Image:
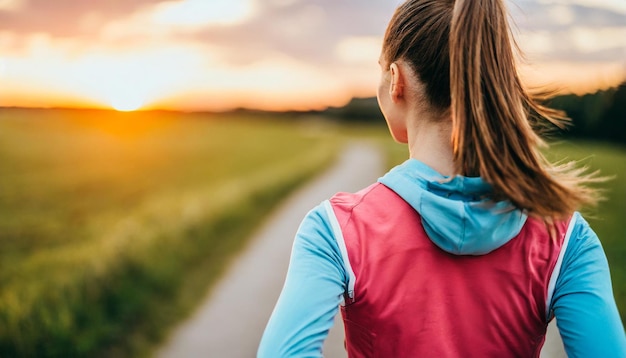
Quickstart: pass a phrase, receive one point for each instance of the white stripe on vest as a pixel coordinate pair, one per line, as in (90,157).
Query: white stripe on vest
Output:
(334,223)
(557,268)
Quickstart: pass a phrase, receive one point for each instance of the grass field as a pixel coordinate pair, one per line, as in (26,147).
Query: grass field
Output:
(112,225)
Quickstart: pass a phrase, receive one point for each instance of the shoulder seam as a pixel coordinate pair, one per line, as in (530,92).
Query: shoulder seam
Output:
(363,193)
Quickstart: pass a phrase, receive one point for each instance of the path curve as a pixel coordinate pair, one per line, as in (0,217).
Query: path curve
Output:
(231,320)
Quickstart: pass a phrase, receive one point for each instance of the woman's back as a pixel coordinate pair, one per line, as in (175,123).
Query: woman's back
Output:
(415,297)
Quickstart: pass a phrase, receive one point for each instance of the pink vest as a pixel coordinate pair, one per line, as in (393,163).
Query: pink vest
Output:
(412,299)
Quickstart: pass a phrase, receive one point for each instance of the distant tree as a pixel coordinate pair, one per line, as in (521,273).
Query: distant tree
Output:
(600,115)
(613,122)
(358,110)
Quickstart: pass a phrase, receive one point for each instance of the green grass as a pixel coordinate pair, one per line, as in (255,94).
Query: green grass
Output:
(608,220)
(113,225)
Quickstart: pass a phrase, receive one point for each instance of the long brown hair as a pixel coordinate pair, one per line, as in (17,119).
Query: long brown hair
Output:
(463,52)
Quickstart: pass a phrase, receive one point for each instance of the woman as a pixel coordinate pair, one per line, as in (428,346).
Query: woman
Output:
(470,247)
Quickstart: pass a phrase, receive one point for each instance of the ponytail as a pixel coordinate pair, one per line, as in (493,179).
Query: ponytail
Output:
(462,51)
(491,133)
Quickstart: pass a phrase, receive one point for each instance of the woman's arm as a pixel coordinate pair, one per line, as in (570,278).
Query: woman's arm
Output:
(583,302)
(313,289)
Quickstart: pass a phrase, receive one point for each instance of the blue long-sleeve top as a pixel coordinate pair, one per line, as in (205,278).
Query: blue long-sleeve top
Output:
(582,302)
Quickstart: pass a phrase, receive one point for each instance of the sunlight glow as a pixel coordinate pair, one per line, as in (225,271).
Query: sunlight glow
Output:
(3,67)
(184,77)
(278,83)
(582,77)
(126,104)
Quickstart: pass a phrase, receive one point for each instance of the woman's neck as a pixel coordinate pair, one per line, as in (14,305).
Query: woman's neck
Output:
(429,142)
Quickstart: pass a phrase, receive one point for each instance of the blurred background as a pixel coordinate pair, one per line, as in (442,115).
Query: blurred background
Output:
(142,142)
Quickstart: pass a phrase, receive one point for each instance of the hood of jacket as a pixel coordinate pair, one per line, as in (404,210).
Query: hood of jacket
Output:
(456,212)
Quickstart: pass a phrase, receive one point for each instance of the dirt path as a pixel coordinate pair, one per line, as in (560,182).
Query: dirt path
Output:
(230,322)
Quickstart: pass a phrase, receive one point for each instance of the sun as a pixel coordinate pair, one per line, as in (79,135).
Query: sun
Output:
(127,103)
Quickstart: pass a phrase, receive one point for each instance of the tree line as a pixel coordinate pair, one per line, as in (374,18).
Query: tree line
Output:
(596,116)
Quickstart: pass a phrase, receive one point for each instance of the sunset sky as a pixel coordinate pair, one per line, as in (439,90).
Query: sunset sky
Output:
(266,54)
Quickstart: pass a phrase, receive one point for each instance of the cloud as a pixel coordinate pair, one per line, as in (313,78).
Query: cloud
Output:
(11,5)
(359,49)
(567,31)
(577,44)
(201,12)
(313,31)
(613,5)
(555,16)
(64,17)
(308,31)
